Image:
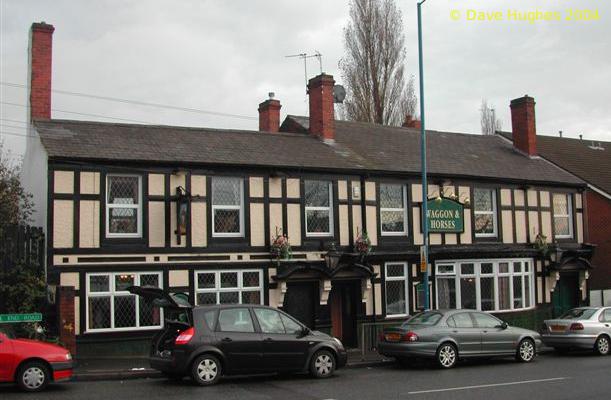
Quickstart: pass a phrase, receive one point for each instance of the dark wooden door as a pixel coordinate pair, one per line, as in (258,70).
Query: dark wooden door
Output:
(300,301)
(344,299)
(566,293)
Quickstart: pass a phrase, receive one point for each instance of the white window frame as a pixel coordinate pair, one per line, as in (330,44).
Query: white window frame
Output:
(528,272)
(227,207)
(240,287)
(138,207)
(111,293)
(403,278)
(315,208)
(476,212)
(403,210)
(569,215)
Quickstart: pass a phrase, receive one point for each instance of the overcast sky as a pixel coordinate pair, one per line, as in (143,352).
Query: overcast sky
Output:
(226,55)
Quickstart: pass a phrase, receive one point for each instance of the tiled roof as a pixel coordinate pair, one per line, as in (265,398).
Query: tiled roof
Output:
(358,147)
(589,160)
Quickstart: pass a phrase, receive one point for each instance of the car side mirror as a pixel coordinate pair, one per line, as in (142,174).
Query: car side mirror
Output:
(504,325)
(305,331)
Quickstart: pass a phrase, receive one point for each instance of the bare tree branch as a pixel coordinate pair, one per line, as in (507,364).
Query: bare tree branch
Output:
(373,68)
(488,120)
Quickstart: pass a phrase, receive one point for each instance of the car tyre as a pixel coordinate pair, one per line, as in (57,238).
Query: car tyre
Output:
(447,356)
(526,351)
(601,347)
(206,370)
(33,376)
(322,364)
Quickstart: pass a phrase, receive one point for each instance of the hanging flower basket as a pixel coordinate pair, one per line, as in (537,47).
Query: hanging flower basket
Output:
(362,245)
(280,246)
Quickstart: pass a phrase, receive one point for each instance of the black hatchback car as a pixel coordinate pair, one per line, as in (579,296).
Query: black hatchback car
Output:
(207,342)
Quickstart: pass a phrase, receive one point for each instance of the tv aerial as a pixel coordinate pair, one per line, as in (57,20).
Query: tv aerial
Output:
(304,57)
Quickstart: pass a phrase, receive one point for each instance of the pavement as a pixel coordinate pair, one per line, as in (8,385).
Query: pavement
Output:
(551,376)
(95,369)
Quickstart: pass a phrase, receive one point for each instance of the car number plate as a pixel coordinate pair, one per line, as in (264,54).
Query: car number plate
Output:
(557,328)
(392,337)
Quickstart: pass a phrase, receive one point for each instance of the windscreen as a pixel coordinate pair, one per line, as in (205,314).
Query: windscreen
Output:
(579,313)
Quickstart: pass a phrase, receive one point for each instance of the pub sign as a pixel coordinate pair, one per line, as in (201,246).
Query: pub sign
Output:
(445,215)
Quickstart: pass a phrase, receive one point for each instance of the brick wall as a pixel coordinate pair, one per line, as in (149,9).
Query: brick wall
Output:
(66,317)
(599,233)
(41,44)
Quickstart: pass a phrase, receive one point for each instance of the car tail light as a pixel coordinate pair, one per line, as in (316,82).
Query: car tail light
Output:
(410,337)
(381,337)
(576,326)
(185,337)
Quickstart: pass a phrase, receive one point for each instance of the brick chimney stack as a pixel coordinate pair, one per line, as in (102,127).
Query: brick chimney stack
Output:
(40,57)
(322,116)
(523,125)
(411,123)
(269,115)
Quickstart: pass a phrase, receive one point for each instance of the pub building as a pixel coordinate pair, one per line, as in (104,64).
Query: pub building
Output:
(202,212)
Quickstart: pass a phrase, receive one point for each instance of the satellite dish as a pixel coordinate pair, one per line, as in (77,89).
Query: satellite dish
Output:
(339,94)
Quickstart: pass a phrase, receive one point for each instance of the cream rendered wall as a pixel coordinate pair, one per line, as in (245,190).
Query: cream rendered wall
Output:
(505,197)
(520,227)
(465,237)
(63,226)
(370,191)
(507,222)
(532,198)
(343,225)
(372,224)
(178,278)
(90,182)
(293,216)
(418,237)
(546,223)
(198,185)
(545,199)
(63,182)
(199,234)
(357,221)
(156,224)
(579,228)
(89,224)
(256,186)
(533,220)
(416,193)
(69,279)
(257,225)
(156,184)
(342,190)
(275,187)
(292,188)
(518,197)
(275,219)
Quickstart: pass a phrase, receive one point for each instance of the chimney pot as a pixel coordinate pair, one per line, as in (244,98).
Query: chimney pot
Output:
(269,114)
(322,113)
(523,124)
(40,60)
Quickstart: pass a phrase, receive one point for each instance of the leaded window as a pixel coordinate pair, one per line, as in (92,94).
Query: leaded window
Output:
(318,208)
(229,287)
(563,221)
(485,285)
(227,207)
(123,205)
(396,289)
(393,215)
(111,307)
(484,211)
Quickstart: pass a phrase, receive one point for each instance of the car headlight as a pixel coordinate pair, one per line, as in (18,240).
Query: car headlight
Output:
(68,356)
(339,342)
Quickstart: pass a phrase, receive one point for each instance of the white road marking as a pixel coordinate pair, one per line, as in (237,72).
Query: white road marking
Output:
(487,386)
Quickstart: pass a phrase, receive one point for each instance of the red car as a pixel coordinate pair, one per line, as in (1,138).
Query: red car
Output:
(32,364)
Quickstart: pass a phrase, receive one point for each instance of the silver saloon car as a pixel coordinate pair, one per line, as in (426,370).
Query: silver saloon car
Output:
(580,328)
(450,335)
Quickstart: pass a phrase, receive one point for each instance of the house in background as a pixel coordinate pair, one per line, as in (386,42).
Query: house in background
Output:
(591,161)
(196,210)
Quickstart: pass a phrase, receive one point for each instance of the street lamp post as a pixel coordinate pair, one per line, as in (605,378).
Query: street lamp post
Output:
(425,225)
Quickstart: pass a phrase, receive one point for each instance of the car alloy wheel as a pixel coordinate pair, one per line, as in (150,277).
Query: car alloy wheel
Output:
(447,356)
(323,364)
(526,350)
(33,376)
(206,370)
(602,345)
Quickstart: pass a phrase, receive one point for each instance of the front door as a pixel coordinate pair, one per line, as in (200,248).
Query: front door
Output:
(344,299)
(239,341)
(300,301)
(566,293)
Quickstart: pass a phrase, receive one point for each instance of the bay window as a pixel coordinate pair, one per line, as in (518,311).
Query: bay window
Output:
(111,307)
(318,208)
(123,205)
(485,285)
(393,215)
